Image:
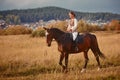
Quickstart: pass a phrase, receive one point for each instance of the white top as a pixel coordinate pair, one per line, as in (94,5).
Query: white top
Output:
(72,25)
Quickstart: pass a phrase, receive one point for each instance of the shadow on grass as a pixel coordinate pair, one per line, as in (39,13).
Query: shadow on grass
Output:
(32,71)
(36,70)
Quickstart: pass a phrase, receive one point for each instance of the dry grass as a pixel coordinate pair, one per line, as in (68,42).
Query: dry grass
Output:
(26,58)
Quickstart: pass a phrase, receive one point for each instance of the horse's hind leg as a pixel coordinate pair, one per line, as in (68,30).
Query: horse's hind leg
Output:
(95,49)
(86,60)
(97,57)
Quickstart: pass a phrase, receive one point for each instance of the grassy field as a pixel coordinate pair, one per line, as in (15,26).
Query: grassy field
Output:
(25,58)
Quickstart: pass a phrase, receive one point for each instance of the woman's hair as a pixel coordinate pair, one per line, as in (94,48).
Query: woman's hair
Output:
(71,12)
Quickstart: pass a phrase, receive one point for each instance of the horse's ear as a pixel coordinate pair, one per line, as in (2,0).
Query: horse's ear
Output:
(45,28)
(51,26)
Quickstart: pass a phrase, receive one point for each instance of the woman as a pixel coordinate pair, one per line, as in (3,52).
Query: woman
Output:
(72,27)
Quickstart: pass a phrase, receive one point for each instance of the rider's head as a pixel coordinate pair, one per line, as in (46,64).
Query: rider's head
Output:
(71,14)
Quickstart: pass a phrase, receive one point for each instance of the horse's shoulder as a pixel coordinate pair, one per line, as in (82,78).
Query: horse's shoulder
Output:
(66,36)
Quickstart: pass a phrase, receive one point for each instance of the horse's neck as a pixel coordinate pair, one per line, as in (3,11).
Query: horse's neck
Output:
(58,35)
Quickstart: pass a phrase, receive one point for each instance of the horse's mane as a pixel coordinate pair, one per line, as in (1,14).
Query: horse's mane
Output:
(57,33)
(56,30)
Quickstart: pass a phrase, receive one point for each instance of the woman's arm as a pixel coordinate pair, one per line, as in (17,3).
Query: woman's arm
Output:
(74,27)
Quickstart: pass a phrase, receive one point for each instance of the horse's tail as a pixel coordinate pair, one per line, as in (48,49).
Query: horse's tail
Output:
(95,47)
(101,54)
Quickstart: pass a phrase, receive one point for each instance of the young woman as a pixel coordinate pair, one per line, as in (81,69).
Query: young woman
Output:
(72,24)
(72,27)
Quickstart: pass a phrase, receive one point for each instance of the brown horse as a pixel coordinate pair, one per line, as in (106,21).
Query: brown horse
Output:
(65,46)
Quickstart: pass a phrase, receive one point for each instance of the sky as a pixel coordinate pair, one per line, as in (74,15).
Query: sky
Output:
(112,6)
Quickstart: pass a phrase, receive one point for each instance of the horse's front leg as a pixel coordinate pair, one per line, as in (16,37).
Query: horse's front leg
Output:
(66,61)
(62,55)
(61,59)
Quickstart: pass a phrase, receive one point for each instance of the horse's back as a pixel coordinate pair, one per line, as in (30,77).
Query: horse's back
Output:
(87,34)
(80,38)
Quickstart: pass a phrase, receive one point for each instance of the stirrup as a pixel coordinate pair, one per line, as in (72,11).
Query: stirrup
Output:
(76,48)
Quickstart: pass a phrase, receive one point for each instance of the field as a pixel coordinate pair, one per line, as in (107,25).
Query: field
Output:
(25,58)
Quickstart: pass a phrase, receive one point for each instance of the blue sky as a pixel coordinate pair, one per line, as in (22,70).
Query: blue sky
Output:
(76,5)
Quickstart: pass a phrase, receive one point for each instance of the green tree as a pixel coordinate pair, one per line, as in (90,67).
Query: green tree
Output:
(13,19)
(17,20)
(1,17)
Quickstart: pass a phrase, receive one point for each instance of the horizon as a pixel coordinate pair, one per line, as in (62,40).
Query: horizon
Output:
(58,7)
(93,6)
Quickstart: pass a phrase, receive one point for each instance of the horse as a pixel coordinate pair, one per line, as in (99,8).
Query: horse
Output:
(65,46)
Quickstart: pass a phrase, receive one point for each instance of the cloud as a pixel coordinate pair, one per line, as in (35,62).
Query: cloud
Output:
(13,4)
(77,5)
(96,5)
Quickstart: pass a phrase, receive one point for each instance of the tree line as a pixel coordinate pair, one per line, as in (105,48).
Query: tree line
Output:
(49,13)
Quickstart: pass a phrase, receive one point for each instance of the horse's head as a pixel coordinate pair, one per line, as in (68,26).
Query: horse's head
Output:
(49,36)
(53,33)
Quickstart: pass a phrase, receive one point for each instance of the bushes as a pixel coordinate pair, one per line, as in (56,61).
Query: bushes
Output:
(114,25)
(15,30)
(1,31)
(62,25)
(84,27)
(40,32)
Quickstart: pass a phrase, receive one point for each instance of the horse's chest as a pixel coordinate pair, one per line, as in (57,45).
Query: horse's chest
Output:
(64,47)
(60,47)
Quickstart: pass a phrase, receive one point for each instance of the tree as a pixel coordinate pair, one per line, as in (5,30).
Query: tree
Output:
(12,19)
(50,13)
(1,17)
(17,20)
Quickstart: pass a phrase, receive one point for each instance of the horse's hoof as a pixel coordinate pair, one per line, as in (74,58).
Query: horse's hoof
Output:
(64,70)
(83,70)
(99,69)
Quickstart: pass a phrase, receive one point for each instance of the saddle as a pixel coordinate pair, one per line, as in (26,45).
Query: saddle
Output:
(78,40)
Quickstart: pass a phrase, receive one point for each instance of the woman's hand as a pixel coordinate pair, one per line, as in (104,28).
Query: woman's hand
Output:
(69,30)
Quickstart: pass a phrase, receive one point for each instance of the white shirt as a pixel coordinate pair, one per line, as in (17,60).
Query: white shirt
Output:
(72,26)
